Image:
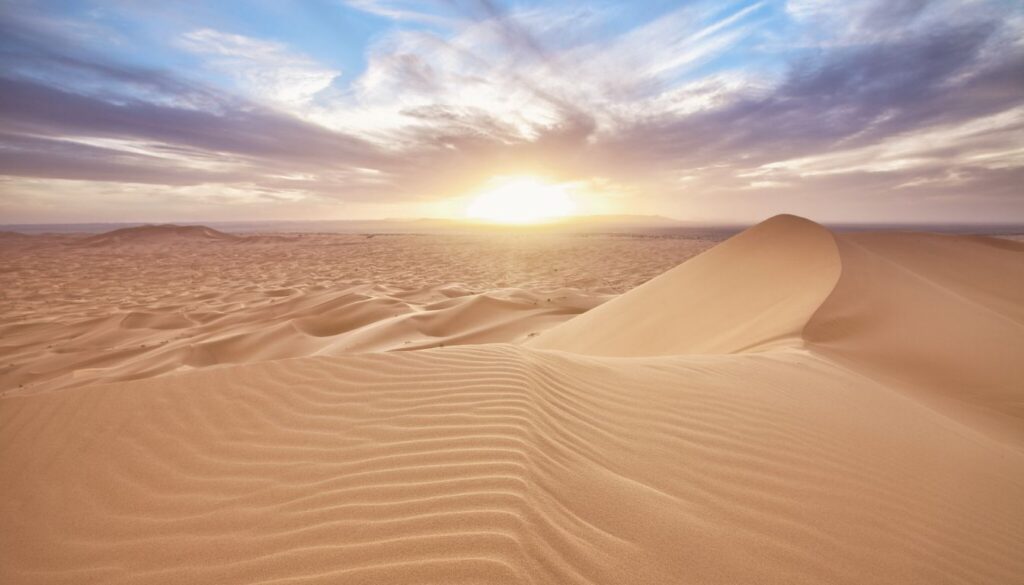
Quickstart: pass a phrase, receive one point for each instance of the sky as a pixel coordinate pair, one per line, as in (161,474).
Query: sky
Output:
(841,111)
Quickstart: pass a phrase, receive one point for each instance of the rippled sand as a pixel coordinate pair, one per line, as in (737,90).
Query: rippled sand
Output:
(792,406)
(78,309)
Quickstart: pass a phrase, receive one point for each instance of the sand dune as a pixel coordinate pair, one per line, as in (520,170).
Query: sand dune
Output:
(162,299)
(763,413)
(935,312)
(942,313)
(156,235)
(141,344)
(756,290)
(8,235)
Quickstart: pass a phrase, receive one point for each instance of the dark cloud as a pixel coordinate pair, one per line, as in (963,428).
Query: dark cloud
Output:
(52,88)
(26,156)
(892,13)
(256,132)
(844,98)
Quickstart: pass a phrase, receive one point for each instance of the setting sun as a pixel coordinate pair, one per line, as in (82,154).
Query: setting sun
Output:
(521,199)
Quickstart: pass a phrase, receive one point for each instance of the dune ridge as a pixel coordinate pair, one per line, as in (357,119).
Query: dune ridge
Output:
(617,447)
(754,291)
(938,313)
(361,318)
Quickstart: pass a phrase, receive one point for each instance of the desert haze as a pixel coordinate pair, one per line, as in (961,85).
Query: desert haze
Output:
(790,405)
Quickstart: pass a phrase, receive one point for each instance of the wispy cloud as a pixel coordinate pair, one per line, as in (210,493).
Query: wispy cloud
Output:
(421,11)
(263,69)
(990,142)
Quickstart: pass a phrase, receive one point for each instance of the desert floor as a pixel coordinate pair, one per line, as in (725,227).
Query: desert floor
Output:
(792,405)
(78,309)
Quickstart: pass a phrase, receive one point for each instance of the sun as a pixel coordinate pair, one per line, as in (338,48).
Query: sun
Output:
(521,199)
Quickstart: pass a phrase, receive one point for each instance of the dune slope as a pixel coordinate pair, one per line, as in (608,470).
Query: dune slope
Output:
(944,313)
(754,291)
(782,447)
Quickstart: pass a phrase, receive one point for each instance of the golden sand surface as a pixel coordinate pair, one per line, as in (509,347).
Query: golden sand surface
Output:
(791,406)
(151,300)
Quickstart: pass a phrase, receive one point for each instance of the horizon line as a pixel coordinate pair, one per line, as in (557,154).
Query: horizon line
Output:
(553,223)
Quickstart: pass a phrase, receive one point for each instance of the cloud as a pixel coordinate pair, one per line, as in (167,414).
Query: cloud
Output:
(27,156)
(836,23)
(404,10)
(991,142)
(515,77)
(848,98)
(263,69)
(70,114)
(254,132)
(709,111)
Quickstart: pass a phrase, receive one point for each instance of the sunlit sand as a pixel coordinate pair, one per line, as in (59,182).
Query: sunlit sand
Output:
(791,405)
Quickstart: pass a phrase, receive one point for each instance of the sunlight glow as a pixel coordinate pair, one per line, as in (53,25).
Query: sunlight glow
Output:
(522,199)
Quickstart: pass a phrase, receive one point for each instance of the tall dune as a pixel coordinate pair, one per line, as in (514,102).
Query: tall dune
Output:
(761,414)
(939,314)
(756,290)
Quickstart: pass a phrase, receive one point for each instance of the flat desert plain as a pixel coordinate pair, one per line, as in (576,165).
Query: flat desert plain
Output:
(790,405)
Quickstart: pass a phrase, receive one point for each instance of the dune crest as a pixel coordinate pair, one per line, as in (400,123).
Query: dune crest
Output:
(754,291)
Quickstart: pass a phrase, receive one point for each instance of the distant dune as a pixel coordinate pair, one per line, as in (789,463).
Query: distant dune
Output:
(74,315)
(791,406)
(575,224)
(155,235)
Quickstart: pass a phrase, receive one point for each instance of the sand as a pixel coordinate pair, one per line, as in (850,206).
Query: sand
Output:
(139,302)
(792,406)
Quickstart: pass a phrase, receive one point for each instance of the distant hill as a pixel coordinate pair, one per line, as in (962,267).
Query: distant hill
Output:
(157,234)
